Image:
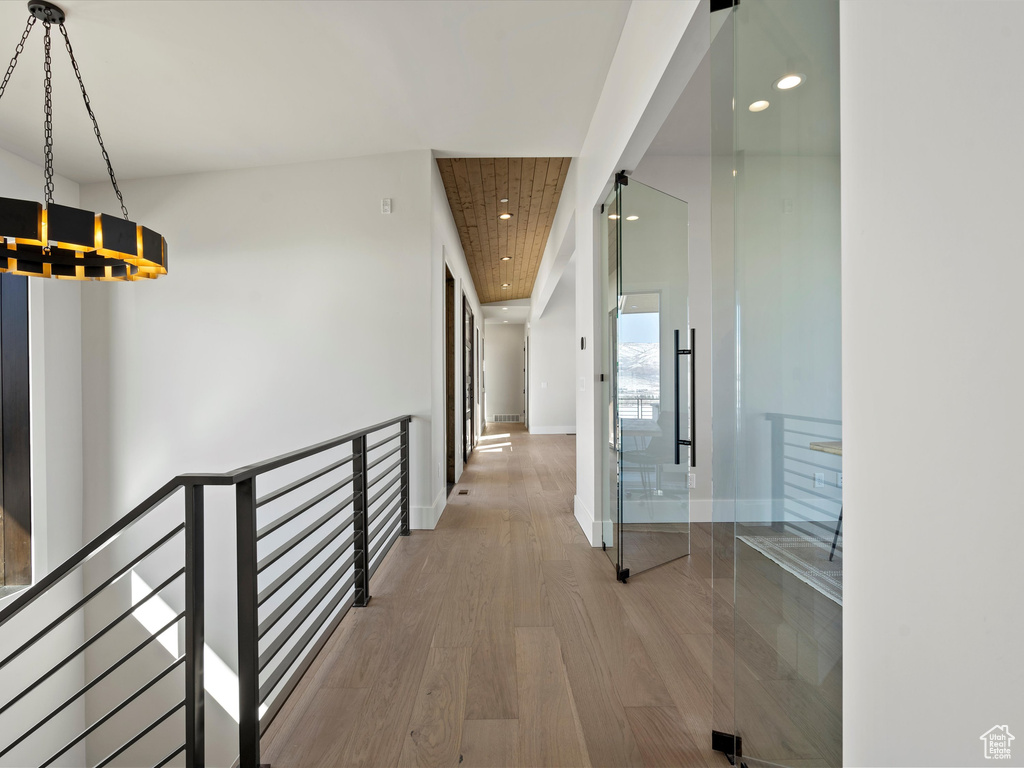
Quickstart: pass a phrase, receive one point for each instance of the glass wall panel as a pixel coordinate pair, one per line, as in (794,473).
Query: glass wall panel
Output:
(786,388)
(723,361)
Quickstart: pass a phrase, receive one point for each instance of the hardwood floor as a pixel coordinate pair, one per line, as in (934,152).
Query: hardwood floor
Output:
(788,665)
(502,639)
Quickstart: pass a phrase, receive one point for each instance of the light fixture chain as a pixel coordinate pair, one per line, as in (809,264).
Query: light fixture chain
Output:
(17,53)
(48,119)
(95,124)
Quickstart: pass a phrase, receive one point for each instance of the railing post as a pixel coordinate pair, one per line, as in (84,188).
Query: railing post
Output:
(195,629)
(405,477)
(360,538)
(248,621)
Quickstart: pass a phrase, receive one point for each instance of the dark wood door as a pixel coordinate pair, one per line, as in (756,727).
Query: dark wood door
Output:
(468,376)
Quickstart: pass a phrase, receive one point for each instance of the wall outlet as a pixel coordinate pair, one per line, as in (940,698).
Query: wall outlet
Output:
(691,480)
(385,205)
(839,479)
(819,479)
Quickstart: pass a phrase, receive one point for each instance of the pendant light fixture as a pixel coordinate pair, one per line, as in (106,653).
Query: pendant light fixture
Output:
(50,240)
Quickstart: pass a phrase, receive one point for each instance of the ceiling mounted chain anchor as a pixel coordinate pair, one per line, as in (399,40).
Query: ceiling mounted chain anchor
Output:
(48,12)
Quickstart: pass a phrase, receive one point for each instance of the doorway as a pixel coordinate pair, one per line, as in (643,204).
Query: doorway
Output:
(449,379)
(650,387)
(468,380)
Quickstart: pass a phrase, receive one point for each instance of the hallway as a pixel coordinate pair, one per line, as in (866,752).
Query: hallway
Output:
(502,639)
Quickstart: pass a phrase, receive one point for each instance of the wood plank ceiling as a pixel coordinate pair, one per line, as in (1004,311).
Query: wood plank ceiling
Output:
(503,251)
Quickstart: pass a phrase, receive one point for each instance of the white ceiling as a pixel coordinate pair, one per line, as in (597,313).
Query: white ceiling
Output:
(515,312)
(687,129)
(182,86)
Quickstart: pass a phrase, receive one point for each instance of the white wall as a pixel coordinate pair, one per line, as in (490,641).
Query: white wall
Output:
(446,249)
(285,319)
(55,360)
(552,344)
(932,412)
(503,368)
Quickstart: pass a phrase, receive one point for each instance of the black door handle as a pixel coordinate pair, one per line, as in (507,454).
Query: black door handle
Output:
(692,442)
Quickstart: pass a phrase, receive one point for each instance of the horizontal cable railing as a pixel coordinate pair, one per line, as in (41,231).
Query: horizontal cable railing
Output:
(151,544)
(305,554)
(798,465)
(306,550)
(635,407)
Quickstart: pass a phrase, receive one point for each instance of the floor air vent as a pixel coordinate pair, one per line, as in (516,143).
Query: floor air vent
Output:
(463,492)
(506,417)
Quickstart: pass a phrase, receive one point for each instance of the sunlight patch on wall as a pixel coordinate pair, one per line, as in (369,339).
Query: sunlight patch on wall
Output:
(154,614)
(219,680)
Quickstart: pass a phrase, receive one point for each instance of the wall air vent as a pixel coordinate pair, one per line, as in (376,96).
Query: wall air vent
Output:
(506,417)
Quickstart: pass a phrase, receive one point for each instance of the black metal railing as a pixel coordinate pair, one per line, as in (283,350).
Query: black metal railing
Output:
(636,407)
(303,561)
(306,551)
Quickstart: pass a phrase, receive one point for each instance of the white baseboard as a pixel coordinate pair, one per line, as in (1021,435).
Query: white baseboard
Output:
(425,518)
(591,528)
(553,430)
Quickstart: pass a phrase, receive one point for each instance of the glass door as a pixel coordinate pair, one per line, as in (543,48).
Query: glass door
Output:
(650,419)
(610,246)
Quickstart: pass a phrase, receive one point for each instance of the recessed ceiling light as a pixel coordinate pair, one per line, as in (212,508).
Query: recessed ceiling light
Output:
(613,216)
(506,258)
(505,216)
(758,106)
(504,321)
(632,306)
(505,285)
(504,309)
(632,218)
(503,200)
(788,82)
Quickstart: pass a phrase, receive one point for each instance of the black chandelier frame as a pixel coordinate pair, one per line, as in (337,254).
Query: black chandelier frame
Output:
(51,240)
